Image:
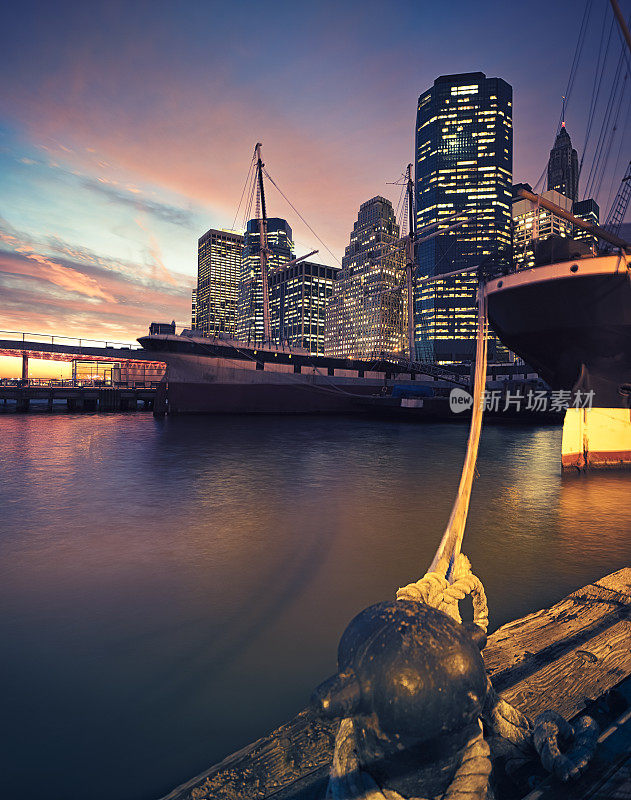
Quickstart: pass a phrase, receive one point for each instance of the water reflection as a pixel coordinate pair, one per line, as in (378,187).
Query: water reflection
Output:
(172,589)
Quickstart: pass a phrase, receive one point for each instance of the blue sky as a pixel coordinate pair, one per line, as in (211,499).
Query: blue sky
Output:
(126,130)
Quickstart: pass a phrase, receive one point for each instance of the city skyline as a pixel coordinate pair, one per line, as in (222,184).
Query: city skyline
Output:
(124,136)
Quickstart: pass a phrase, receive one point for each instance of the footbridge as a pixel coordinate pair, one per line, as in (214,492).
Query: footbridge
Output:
(67,348)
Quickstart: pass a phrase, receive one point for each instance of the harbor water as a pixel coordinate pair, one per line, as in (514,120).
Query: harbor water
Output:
(172,589)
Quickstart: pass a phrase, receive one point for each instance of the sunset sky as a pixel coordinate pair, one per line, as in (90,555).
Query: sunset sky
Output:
(126,130)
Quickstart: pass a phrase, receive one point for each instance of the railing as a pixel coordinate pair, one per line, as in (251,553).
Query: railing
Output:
(46,338)
(70,383)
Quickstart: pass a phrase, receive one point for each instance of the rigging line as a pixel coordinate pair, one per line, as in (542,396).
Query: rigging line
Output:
(615,169)
(577,54)
(604,130)
(598,77)
(608,147)
(242,193)
(570,81)
(248,211)
(273,182)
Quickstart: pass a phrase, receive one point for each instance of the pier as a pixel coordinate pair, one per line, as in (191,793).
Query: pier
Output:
(49,395)
(570,658)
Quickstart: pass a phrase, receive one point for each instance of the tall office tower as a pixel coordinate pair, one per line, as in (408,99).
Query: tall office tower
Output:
(218,268)
(464,163)
(194,309)
(250,325)
(532,224)
(563,166)
(366,315)
(589,211)
(298,298)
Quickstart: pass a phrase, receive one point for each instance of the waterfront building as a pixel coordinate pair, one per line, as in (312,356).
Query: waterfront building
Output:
(533,223)
(589,211)
(218,270)
(298,298)
(366,315)
(250,299)
(194,309)
(563,166)
(464,163)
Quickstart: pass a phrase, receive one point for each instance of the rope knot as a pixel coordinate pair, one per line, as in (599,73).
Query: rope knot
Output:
(435,590)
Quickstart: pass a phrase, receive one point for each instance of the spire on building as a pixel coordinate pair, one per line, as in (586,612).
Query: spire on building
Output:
(563,166)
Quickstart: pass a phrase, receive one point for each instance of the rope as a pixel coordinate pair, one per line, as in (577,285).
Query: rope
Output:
(435,590)
(448,580)
(349,782)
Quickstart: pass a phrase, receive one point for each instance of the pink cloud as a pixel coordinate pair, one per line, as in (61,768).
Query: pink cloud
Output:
(51,271)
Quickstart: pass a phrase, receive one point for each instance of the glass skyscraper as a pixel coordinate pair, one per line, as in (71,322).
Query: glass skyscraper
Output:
(366,315)
(464,163)
(250,325)
(218,269)
(298,297)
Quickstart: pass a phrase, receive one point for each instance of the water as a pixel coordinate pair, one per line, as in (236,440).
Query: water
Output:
(171,590)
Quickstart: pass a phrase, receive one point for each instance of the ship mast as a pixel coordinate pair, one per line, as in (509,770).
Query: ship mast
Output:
(410,262)
(263,249)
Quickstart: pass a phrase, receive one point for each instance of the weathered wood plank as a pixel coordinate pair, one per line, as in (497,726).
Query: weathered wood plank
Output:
(558,658)
(569,654)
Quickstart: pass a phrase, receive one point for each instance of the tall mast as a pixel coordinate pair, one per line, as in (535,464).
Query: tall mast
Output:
(264,252)
(409,267)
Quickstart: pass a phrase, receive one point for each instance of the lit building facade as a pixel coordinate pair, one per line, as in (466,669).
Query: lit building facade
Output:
(464,163)
(532,223)
(218,270)
(298,298)
(194,309)
(366,315)
(280,245)
(589,211)
(563,166)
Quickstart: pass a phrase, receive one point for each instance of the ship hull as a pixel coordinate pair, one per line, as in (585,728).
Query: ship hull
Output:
(572,323)
(206,377)
(197,385)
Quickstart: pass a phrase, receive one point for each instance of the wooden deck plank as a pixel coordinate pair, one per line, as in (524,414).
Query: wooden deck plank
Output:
(558,658)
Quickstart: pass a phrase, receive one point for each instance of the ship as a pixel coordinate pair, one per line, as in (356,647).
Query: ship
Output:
(220,375)
(571,321)
(211,375)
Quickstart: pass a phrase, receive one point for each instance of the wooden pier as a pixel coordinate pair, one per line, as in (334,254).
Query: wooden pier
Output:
(573,656)
(77,398)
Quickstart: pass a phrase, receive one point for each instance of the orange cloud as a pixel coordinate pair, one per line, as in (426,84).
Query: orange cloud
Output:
(51,271)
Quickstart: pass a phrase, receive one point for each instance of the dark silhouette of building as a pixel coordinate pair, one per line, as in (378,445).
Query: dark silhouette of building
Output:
(563,166)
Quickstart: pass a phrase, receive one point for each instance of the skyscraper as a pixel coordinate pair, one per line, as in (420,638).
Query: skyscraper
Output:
(464,163)
(298,297)
(563,166)
(218,268)
(366,314)
(250,325)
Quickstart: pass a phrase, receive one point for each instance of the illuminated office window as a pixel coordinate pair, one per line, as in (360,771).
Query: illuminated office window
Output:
(366,315)
(463,164)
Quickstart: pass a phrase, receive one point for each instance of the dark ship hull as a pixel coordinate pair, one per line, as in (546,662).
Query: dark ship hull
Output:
(215,376)
(571,321)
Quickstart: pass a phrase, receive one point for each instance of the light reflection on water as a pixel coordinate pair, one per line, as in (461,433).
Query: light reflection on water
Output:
(173,589)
